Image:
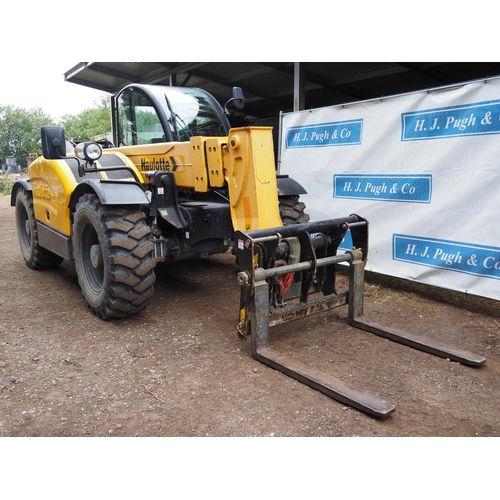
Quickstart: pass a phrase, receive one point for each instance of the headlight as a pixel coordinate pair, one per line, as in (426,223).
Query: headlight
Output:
(88,151)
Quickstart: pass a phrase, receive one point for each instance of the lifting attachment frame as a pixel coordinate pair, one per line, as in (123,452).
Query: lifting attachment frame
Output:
(296,262)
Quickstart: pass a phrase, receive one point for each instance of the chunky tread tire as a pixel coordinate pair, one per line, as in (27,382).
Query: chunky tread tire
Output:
(113,258)
(35,256)
(292,211)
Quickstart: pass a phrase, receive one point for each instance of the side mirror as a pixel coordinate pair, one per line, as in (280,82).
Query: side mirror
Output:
(53,143)
(238,100)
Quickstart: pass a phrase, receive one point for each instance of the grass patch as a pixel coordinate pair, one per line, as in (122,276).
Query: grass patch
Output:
(466,301)
(7,180)
(380,287)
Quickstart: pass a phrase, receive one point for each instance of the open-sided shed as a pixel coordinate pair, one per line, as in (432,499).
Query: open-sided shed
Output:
(284,86)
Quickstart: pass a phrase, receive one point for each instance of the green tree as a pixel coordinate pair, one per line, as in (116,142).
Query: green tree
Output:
(20,132)
(89,123)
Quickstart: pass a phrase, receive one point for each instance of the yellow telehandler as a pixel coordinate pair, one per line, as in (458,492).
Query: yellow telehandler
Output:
(178,182)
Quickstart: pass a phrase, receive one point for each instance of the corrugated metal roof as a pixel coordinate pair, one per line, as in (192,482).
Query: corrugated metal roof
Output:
(269,87)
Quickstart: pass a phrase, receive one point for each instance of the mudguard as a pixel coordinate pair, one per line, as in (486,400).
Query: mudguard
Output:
(110,192)
(21,183)
(288,186)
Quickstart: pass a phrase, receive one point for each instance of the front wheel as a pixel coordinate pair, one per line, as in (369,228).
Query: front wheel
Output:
(35,256)
(292,211)
(113,258)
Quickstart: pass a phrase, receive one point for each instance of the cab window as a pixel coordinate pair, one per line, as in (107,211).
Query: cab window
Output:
(138,121)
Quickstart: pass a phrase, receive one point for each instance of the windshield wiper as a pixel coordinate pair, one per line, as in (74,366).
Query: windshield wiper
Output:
(175,119)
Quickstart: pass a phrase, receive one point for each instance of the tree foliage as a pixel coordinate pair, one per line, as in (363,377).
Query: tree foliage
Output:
(20,128)
(20,132)
(89,123)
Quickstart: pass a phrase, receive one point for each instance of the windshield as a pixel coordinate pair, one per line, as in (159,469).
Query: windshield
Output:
(150,113)
(194,112)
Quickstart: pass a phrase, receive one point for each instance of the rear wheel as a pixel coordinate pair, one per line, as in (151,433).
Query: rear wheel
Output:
(35,256)
(292,211)
(113,258)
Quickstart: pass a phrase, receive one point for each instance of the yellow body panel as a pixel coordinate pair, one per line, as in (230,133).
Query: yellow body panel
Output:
(251,177)
(186,159)
(52,183)
(244,160)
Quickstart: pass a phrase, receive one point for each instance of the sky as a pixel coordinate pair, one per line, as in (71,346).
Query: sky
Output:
(36,52)
(45,88)
(33,59)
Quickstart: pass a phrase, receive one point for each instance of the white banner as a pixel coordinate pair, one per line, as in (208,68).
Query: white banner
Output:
(423,168)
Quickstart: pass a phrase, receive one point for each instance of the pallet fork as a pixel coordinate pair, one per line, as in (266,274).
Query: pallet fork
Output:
(289,273)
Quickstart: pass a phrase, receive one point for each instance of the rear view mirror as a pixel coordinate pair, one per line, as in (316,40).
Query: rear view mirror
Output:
(238,100)
(53,143)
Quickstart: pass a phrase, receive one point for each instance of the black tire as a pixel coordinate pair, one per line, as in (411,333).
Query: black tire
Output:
(113,258)
(292,211)
(35,256)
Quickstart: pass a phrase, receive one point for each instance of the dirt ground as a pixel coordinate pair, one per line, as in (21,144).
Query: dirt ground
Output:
(178,369)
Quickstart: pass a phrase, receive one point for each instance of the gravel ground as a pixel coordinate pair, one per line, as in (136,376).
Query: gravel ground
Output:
(179,370)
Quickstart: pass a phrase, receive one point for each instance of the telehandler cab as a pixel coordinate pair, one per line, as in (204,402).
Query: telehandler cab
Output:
(179,182)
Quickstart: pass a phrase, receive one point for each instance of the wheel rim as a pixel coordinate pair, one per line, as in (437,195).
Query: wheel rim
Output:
(25,229)
(92,260)
(96,256)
